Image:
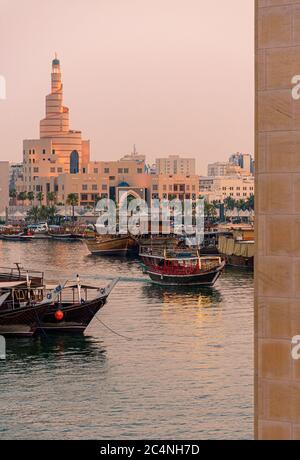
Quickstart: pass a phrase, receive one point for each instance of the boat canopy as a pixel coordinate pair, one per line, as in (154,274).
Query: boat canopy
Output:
(11,284)
(72,285)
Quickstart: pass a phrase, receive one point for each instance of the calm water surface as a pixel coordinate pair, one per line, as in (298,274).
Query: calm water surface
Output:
(185,373)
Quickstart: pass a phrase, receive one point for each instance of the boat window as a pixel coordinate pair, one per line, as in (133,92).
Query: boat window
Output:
(20,295)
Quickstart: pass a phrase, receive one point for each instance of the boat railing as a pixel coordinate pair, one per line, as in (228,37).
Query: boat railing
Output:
(75,294)
(21,296)
(180,254)
(19,273)
(168,252)
(208,264)
(163,250)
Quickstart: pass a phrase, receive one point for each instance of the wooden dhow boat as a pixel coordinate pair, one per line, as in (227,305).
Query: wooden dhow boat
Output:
(158,241)
(12,236)
(62,236)
(76,306)
(238,247)
(179,267)
(18,273)
(22,307)
(110,245)
(29,306)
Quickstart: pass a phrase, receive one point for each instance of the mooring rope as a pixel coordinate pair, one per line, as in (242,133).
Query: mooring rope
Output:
(111,330)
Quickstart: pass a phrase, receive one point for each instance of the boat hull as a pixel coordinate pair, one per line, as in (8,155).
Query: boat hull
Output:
(11,237)
(63,237)
(111,246)
(26,238)
(240,261)
(76,317)
(204,279)
(21,322)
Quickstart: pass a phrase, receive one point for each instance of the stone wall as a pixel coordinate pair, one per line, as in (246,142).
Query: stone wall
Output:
(277,270)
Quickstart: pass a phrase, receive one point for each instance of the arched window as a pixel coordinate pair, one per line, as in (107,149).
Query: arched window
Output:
(74,162)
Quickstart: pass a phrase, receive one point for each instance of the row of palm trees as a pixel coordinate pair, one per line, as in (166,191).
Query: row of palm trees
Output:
(242,205)
(31,196)
(72,198)
(43,213)
(212,209)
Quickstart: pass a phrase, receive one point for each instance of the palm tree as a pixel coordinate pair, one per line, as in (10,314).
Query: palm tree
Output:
(30,197)
(72,200)
(43,213)
(52,213)
(33,214)
(250,202)
(229,203)
(13,196)
(22,197)
(40,197)
(50,197)
(209,209)
(241,205)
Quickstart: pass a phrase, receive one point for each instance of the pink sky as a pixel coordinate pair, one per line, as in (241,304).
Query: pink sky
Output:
(172,76)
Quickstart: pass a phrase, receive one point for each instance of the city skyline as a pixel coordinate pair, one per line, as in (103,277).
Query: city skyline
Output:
(127,92)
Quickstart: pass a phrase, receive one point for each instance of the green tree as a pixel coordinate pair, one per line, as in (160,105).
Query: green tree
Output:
(40,197)
(30,197)
(209,210)
(52,213)
(50,197)
(43,215)
(241,205)
(72,200)
(250,203)
(33,214)
(229,203)
(22,197)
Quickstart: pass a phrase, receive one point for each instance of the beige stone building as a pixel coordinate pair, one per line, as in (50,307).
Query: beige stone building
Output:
(217,169)
(176,165)
(59,162)
(103,179)
(175,187)
(59,150)
(220,188)
(4,185)
(277,261)
(239,163)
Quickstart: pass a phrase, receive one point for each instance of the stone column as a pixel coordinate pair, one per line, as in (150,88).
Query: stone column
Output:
(277,264)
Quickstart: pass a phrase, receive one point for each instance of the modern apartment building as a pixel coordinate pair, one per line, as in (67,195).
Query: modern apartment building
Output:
(244,161)
(176,165)
(239,163)
(106,179)
(217,169)
(175,187)
(220,188)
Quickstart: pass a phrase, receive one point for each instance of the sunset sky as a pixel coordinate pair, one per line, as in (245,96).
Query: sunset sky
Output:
(171,76)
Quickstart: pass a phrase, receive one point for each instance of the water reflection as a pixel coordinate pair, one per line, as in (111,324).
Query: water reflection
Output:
(183,295)
(186,372)
(52,347)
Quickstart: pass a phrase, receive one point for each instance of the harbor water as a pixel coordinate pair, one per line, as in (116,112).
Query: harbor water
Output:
(156,362)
